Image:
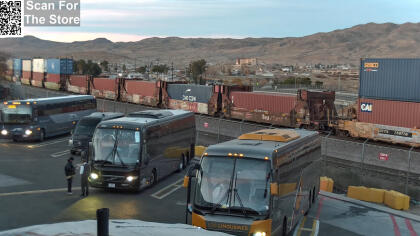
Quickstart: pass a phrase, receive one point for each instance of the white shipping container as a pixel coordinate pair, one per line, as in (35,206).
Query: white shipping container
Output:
(9,64)
(27,65)
(38,65)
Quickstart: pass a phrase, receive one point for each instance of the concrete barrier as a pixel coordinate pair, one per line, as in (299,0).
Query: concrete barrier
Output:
(326,184)
(397,200)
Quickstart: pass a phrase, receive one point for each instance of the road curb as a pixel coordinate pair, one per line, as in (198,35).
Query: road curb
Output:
(371,205)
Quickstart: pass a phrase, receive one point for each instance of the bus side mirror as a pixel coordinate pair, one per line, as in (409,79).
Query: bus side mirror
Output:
(186,181)
(274,189)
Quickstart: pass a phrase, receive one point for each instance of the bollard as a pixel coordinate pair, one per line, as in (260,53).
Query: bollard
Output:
(102,217)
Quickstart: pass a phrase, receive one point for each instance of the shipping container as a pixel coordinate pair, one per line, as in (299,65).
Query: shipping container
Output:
(386,112)
(196,98)
(9,64)
(390,79)
(27,65)
(263,107)
(38,79)
(38,65)
(78,84)
(60,66)
(105,88)
(190,92)
(17,68)
(141,92)
(263,101)
(53,81)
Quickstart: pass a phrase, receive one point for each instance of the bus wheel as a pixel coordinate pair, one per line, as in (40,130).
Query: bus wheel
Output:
(42,135)
(284,229)
(153,178)
(313,195)
(181,164)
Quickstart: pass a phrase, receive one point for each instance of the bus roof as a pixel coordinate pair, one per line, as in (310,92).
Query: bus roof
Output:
(261,147)
(104,115)
(69,98)
(138,121)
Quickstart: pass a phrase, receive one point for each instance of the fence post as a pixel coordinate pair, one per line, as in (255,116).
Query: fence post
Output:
(362,162)
(197,138)
(408,171)
(218,130)
(324,154)
(240,128)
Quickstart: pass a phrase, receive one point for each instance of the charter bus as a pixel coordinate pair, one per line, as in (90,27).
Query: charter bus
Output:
(36,119)
(83,132)
(261,183)
(133,152)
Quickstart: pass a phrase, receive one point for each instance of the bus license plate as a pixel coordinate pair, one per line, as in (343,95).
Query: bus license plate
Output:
(111,185)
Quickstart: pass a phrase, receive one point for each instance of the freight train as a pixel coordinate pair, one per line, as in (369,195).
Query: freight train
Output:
(307,109)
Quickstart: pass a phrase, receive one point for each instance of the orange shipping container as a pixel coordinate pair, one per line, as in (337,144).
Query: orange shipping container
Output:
(273,103)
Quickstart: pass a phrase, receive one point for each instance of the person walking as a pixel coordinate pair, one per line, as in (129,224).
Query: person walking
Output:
(84,174)
(69,171)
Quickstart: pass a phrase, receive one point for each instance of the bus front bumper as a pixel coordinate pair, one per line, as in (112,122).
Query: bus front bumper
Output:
(123,185)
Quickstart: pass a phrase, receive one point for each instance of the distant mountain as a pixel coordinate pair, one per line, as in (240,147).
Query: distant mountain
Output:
(339,46)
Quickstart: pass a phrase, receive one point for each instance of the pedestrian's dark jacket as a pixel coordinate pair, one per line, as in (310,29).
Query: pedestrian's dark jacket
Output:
(69,169)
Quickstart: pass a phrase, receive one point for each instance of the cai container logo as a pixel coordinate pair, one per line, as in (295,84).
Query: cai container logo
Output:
(366,107)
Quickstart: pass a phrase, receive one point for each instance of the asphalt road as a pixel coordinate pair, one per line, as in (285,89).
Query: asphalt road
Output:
(33,191)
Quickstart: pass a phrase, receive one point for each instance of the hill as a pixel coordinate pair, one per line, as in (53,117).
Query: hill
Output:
(339,46)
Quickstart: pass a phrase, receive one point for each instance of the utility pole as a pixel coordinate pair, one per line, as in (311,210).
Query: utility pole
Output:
(339,81)
(172,71)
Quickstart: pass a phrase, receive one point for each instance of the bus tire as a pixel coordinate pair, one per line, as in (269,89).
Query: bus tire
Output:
(42,135)
(181,164)
(284,228)
(153,178)
(313,195)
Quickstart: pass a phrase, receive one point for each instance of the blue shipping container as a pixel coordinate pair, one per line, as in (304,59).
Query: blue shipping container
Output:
(390,79)
(60,66)
(17,68)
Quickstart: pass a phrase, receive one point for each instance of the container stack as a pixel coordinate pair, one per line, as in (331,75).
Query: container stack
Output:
(38,72)
(58,72)
(389,92)
(26,71)
(17,69)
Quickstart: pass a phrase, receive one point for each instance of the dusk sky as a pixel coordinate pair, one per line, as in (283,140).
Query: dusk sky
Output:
(132,20)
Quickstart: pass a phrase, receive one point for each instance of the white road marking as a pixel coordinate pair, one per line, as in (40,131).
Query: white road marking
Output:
(37,191)
(48,143)
(62,153)
(317,228)
(175,186)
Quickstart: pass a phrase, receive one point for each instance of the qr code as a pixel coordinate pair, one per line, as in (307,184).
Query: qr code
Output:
(10,18)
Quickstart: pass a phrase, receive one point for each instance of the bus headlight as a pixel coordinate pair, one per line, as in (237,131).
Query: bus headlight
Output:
(28,132)
(260,234)
(131,178)
(4,132)
(70,142)
(94,176)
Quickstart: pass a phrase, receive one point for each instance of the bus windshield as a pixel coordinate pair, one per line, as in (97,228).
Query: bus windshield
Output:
(86,126)
(116,146)
(234,184)
(16,114)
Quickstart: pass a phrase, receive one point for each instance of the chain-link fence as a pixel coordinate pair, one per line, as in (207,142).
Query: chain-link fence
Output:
(367,164)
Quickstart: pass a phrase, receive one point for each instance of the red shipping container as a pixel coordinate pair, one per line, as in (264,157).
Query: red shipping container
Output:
(144,88)
(259,101)
(26,74)
(79,80)
(387,112)
(54,78)
(105,84)
(37,76)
